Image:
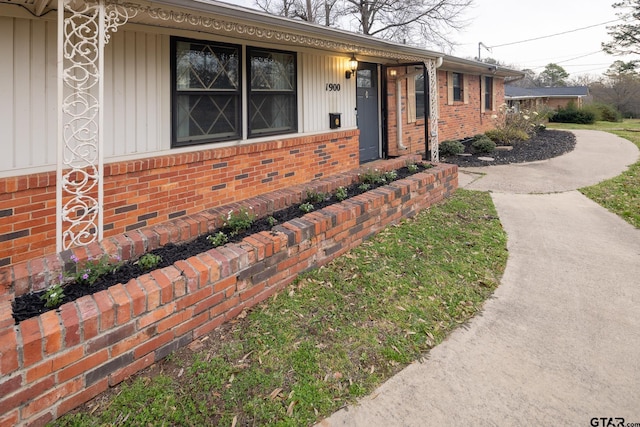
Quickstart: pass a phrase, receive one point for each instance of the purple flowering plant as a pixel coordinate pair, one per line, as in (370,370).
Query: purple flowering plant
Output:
(89,272)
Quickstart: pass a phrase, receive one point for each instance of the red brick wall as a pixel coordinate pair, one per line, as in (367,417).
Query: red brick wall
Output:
(413,134)
(152,190)
(462,120)
(456,121)
(55,362)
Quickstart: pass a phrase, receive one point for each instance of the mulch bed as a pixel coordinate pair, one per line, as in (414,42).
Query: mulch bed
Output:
(30,305)
(543,145)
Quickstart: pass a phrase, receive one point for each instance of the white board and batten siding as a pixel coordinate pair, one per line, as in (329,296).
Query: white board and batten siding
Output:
(137,99)
(28,94)
(318,99)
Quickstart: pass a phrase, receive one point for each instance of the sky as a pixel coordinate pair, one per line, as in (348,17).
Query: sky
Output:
(498,22)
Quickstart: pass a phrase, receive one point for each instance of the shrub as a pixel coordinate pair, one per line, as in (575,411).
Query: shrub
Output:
(451,147)
(570,115)
(606,112)
(483,144)
(507,136)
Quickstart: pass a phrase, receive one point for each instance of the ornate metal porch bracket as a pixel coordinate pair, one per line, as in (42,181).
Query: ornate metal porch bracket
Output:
(433,109)
(83,30)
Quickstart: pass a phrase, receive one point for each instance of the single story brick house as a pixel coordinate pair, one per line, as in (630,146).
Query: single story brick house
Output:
(127,125)
(550,97)
(189,105)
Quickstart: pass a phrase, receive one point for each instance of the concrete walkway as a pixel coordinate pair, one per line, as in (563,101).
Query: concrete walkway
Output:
(559,344)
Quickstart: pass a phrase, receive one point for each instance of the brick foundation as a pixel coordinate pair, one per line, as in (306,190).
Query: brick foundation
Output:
(55,362)
(149,191)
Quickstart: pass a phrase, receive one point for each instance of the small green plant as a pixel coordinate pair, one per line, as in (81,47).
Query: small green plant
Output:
(412,167)
(306,207)
(341,193)
(271,221)
(483,144)
(315,196)
(372,177)
(451,147)
(53,296)
(218,239)
(93,269)
(149,261)
(237,222)
(364,186)
(390,176)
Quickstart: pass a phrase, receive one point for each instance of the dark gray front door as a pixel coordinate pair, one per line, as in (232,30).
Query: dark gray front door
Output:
(367,105)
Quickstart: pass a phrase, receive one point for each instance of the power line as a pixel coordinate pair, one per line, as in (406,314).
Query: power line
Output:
(554,35)
(569,60)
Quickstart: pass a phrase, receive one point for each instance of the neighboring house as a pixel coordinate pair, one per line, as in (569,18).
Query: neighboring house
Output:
(196,104)
(539,97)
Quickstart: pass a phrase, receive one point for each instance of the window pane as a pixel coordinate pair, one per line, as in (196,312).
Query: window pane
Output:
(205,116)
(457,84)
(272,92)
(272,71)
(364,78)
(204,66)
(488,92)
(420,110)
(272,113)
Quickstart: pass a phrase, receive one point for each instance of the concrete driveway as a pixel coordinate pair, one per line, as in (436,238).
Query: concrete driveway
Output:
(559,343)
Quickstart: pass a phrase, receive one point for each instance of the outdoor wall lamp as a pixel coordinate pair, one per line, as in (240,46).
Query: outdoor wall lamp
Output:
(393,73)
(353,66)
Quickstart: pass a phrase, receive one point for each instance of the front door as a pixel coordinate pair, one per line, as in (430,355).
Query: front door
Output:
(367,108)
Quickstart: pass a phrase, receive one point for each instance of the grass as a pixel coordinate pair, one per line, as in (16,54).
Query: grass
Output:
(620,195)
(330,337)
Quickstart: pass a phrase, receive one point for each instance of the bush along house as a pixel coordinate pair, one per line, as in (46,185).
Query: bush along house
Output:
(127,125)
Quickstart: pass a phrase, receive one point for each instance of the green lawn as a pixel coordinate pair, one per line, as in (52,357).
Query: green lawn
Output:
(620,195)
(332,336)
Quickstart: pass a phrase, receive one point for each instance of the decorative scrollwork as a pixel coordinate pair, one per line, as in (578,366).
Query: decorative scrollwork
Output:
(433,109)
(220,25)
(86,27)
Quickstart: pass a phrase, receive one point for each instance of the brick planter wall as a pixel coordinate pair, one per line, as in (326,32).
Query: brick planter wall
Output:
(59,360)
(149,191)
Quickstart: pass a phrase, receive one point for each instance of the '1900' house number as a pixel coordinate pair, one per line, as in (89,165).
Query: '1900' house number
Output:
(332,87)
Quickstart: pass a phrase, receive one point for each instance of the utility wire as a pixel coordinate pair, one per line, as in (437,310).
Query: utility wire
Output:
(569,60)
(553,35)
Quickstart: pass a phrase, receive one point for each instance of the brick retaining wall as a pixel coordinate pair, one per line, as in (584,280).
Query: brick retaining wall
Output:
(52,363)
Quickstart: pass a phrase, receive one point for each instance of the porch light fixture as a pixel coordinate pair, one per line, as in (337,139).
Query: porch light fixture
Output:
(353,66)
(393,73)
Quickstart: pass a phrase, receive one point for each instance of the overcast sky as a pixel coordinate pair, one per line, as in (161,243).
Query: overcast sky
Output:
(498,22)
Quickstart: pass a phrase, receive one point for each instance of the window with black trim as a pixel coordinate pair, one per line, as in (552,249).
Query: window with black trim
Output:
(457,86)
(272,92)
(488,93)
(420,99)
(207,92)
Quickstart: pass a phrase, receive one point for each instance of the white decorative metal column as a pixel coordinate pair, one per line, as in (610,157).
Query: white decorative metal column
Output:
(432,66)
(83,31)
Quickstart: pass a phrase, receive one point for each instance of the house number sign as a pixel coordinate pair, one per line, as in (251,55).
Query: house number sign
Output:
(332,87)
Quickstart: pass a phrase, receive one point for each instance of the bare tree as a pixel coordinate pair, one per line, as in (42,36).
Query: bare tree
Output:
(417,22)
(620,87)
(317,11)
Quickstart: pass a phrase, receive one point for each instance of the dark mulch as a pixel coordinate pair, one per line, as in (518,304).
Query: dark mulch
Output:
(543,145)
(30,305)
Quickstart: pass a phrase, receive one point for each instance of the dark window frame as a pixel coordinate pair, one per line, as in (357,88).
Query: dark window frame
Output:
(488,93)
(421,99)
(176,93)
(457,86)
(253,133)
